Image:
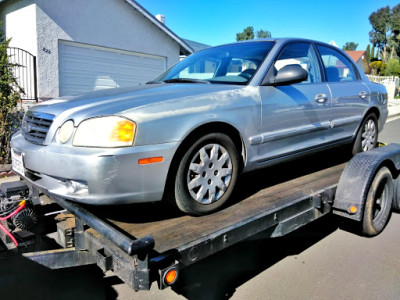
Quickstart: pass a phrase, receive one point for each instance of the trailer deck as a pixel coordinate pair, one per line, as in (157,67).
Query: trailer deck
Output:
(179,232)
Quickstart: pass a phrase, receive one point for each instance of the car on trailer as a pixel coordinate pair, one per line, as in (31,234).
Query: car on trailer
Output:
(188,134)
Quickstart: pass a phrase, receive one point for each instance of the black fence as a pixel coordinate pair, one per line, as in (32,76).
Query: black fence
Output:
(25,72)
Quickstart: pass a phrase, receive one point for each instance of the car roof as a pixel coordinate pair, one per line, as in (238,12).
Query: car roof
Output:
(283,40)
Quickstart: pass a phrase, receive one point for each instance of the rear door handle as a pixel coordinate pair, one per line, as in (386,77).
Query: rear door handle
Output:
(363,94)
(321,98)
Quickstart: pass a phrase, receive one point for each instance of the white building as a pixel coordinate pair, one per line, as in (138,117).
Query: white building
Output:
(93,44)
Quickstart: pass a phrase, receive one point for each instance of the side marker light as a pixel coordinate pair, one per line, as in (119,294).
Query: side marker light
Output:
(150,160)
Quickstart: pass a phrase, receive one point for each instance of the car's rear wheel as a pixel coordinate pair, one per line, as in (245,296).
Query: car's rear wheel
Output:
(367,135)
(207,174)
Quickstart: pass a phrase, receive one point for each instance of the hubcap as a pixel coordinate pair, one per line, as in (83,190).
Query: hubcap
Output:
(209,174)
(368,136)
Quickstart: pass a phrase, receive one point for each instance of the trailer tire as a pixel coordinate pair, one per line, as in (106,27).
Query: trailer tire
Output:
(215,172)
(367,135)
(378,203)
(396,196)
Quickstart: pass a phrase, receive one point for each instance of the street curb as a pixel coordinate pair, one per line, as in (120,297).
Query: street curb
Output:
(392,117)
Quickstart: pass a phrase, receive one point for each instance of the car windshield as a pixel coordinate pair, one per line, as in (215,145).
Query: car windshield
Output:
(230,64)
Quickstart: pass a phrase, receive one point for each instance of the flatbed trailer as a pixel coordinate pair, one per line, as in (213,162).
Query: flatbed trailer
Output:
(142,244)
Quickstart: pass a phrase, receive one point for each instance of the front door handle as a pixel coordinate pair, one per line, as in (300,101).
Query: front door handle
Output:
(321,98)
(363,94)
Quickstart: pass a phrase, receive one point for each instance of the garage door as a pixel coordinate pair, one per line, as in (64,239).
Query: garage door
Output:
(84,68)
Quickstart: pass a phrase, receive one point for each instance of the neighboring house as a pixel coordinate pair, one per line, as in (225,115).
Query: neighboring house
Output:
(332,43)
(93,44)
(361,59)
(196,46)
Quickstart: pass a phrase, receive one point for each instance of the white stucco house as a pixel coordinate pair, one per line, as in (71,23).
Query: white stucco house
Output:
(93,44)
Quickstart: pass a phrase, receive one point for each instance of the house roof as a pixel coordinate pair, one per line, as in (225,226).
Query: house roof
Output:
(196,46)
(356,55)
(185,48)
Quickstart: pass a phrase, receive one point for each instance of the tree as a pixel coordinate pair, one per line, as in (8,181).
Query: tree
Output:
(373,53)
(395,27)
(385,33)
(368,50)
(9,96)
(350,46)
(248,34)
(261,34)
(379,34)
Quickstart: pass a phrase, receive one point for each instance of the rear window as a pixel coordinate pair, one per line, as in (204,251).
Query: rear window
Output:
(337,67)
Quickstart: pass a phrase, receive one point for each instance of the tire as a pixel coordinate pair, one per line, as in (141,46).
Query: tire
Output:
(204,180)
(396,197)
(378,203)
(367,135)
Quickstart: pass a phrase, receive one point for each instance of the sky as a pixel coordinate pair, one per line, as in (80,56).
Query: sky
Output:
(217,22)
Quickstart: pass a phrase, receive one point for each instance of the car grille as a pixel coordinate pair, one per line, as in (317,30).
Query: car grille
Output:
(35,126)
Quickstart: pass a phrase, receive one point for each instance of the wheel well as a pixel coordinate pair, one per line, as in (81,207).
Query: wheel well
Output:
(215,127)
(373,110)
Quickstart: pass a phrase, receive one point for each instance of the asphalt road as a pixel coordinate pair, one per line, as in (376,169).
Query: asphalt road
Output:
(323,260)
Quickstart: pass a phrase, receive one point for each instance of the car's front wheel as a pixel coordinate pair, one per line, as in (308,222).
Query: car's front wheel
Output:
(207,174)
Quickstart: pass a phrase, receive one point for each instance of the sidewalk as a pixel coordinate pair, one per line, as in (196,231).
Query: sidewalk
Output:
(394,108)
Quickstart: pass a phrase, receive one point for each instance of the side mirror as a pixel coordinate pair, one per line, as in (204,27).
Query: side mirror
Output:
(288,75)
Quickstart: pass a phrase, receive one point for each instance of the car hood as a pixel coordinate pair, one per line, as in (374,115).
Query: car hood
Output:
(118,101)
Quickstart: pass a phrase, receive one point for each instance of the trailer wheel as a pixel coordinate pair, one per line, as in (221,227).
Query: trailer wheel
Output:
(378,203)
(206,174)
(396,198)
(367,135)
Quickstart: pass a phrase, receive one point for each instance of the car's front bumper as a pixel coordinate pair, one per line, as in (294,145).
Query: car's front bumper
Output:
(96,176)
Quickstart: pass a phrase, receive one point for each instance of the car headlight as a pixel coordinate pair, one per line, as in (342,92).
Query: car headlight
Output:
(105,132)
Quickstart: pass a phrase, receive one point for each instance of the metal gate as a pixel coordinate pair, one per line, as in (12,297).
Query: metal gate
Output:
(25,72)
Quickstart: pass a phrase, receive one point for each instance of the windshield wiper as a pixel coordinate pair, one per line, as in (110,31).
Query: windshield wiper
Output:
(185,80)
(154,82)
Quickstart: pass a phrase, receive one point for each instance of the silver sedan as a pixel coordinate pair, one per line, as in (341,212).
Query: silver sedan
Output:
(187,135)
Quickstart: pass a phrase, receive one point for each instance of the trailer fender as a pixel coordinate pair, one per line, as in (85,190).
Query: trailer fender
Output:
(357,177)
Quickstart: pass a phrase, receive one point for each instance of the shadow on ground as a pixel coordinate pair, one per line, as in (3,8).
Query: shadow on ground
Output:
(218,276)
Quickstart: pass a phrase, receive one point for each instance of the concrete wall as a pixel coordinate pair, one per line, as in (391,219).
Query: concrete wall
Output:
(109,23)
(19,24)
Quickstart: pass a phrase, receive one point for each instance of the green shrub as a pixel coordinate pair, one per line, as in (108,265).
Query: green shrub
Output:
(376,67)
(392,68)
(10,116)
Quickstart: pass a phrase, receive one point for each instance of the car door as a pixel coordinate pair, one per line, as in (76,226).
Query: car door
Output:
(350,96)
(294,117)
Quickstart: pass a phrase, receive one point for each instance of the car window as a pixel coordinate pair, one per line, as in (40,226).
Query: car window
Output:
(337,67)
(234,64)
(202,69)
(301,54)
